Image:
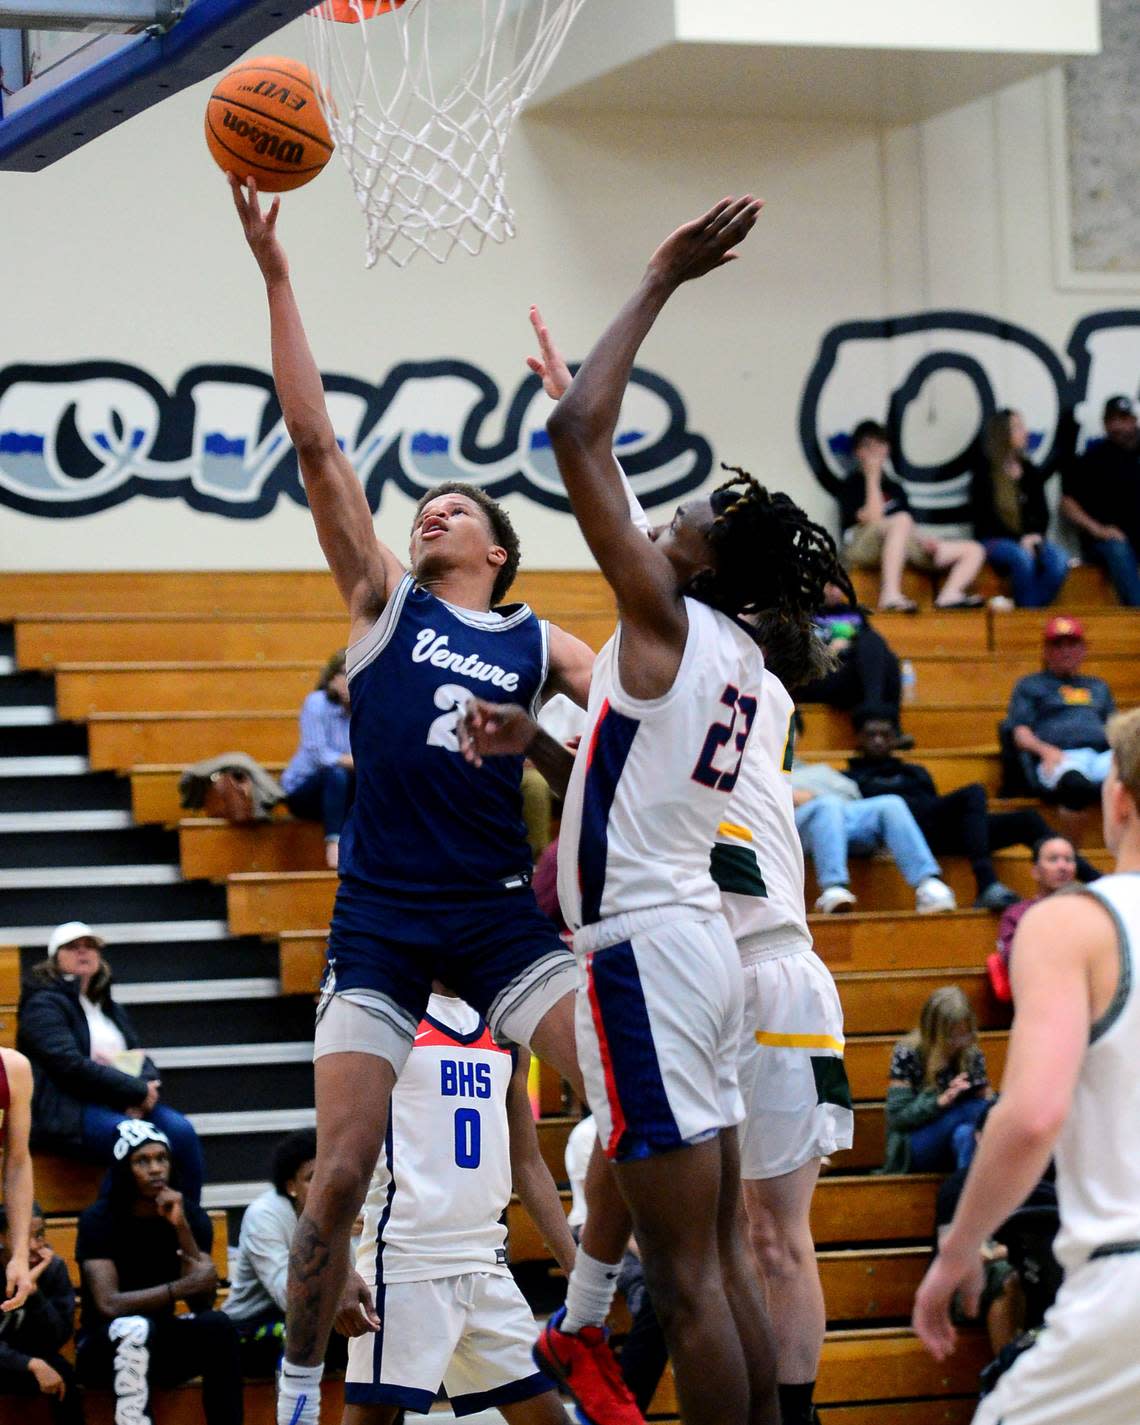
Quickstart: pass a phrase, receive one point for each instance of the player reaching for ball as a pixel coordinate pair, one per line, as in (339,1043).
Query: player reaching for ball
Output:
(797,1101)
(672,701)
(425,892)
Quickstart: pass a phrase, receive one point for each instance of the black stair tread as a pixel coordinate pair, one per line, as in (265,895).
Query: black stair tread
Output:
(127,846)
(154,962)
(90,791)
(247,1087)
(242,1021)
(56,739)
(240,1157)
(26,689)
(7,640)
(184,900)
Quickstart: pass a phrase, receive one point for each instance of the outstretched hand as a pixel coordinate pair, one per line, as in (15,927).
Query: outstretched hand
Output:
(18,1285)
(551,368)
(494,730)
(707,242)
(260,228)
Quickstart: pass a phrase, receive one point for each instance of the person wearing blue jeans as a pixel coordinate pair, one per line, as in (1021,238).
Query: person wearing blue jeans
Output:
(319,782)
(832,827)
(947,1139)
(1119,559)
(1101,498)
(91,1075)
(1035,570)
(1010,513)
(101,1133)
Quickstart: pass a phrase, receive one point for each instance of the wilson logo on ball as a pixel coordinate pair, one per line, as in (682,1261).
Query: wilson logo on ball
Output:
(263,144)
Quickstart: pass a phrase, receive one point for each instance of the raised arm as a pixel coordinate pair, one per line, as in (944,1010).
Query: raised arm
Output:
(583,423)
(365,570)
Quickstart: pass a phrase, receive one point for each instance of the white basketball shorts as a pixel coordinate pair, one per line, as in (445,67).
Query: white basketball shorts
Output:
(1085,1367)
(797,1102)
(658,1022)
(470,1333)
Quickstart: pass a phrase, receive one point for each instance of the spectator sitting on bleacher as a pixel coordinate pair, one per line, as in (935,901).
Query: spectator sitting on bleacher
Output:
(32,1336)
(1054,866)
(938,1088)
(1011,516)
(878,530)
(319,781)
(1058,720)
(957,823)
(1101,496)
(834,819)
(89,1070)
(866,670)
(256,1303)
(142,1248)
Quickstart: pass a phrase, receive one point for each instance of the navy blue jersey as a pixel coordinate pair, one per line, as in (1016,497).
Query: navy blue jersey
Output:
(424,820)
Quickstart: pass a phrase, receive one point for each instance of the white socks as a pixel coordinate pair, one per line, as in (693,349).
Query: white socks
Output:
(299,1394)
(590,1293)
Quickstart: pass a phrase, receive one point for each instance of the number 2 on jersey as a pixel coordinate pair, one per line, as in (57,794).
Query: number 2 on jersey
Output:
(708,771)
(468,1138)
(453,699)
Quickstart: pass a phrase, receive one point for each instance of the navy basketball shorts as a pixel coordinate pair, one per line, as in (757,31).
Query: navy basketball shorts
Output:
(497,951)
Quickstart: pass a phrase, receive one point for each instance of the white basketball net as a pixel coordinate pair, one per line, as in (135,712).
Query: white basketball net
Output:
(420,101)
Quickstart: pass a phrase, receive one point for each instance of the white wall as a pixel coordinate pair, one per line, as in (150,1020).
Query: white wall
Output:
(128,251)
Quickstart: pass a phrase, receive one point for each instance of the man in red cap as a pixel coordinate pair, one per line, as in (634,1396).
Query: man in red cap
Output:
(1057,719)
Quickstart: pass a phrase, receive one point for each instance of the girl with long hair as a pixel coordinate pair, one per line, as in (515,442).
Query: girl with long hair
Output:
(1011,516)
(938,1088)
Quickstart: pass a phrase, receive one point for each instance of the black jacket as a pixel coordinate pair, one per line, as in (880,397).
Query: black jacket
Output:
(53,1034)
(43,1324)
(988,523)
(891,776)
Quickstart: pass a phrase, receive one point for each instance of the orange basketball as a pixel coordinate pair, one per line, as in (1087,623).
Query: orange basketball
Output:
(263,118)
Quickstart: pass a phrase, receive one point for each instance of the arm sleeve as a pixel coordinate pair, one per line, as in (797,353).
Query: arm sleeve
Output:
(314,737)
(93,1240)
(11,1359)
(907,1109)
(51,1309)
(1108,703)
(49,1040)
(1022,704)
(266,1250)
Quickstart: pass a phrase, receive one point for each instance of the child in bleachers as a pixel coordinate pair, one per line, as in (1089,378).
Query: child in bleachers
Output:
(938,1088)
(32,1336)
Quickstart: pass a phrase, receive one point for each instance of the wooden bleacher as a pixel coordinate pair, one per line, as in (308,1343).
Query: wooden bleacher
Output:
(166,668)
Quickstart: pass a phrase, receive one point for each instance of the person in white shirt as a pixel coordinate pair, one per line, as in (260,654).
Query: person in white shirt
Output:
(89,1069)
(256,1302)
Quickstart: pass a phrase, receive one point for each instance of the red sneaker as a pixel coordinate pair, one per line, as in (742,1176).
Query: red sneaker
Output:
(586,1366)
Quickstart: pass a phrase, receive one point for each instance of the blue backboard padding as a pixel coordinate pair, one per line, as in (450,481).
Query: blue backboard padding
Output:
(210,36)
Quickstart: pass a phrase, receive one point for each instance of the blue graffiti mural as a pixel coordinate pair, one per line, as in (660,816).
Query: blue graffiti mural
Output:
(882,368)
(79,438)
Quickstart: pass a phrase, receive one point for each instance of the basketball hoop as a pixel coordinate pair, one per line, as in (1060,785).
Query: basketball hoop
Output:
(420,96)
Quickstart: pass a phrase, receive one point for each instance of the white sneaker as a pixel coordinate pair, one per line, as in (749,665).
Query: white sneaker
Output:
(933,895)
(835,899)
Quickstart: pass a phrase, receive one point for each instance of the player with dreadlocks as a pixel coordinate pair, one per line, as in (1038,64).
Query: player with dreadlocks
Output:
(674,696)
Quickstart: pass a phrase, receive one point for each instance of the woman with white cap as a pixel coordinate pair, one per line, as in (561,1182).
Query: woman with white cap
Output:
(89,1070)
